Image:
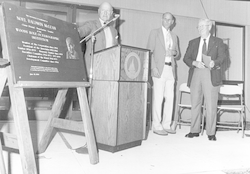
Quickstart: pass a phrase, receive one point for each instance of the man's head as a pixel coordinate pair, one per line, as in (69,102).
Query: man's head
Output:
(70,44)
(167,20)
(105,11)
(204,27)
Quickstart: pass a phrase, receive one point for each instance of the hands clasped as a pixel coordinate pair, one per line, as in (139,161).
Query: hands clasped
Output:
(170,52)
(199,64)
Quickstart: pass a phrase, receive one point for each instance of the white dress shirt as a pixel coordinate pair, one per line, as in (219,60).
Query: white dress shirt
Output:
(199,55)
(108,35)
(168,42)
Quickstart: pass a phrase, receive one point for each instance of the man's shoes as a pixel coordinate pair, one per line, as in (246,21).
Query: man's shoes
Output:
(212,137)
(191,135)
(160,132)
(170,131)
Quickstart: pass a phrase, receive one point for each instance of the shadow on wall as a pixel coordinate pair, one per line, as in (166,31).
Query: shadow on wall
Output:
(226,64)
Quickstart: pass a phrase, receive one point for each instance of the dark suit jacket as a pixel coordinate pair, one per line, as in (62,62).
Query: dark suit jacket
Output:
(216,49)
(100,43)
(156,45)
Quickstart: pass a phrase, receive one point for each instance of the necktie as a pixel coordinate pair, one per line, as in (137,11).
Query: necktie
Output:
(204,48)
(168,40)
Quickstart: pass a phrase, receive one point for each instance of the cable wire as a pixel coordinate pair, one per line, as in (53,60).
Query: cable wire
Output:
(204,9)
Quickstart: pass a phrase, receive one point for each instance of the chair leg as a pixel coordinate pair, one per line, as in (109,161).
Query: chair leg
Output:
(243,124)
(203,123)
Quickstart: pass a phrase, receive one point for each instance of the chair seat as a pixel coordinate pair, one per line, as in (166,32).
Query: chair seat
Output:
(184,105)
(230,107)
(184,91)
(232,92)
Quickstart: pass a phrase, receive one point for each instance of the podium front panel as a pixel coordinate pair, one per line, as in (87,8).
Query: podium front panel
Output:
(134,64)
(121,63)
(106,64)
(104,111)
(119,112)
(132,104)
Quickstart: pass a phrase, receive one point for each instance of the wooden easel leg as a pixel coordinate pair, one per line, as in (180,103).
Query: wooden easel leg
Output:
(88,125)
(2,166)
(20,116)
(55,113)
(3,79)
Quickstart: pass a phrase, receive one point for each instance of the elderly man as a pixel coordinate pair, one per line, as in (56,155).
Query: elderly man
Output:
(204,56)
(103,39)
(163,44)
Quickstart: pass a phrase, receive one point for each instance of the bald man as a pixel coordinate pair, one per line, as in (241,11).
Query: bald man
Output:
(105,38)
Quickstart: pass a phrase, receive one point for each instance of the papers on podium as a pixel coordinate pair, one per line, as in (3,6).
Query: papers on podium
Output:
(206,60)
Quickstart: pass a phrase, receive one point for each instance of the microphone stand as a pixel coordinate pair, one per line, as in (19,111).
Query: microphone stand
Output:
(92,35)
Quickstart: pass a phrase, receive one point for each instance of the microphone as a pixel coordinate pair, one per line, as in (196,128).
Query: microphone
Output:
(116,16)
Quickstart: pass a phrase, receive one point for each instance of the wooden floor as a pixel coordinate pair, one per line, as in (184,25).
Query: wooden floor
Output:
(172,154)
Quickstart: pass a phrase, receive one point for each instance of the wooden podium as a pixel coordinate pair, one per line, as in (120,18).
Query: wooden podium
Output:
(119,97)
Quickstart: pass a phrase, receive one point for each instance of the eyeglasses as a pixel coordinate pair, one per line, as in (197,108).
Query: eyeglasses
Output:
(202,26)
(108,12)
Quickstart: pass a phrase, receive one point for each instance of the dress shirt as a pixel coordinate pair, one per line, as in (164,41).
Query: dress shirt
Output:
(168,42)
(108,35)
(199,55)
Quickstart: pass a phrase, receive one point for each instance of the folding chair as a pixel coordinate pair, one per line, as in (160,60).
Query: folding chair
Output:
(231,92)
(184,90)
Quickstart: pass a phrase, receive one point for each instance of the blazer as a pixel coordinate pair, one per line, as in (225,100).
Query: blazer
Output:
(100,41)
(217,51)
(156,45)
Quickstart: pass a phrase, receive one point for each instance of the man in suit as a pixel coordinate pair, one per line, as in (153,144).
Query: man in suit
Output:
(163,44)
(104,38)
(205,77)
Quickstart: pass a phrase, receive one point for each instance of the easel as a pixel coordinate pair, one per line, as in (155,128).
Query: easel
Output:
(23,137)
(22,140)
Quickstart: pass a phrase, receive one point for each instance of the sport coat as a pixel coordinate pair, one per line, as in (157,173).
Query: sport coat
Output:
(217,51)
(156,45)
(100,40)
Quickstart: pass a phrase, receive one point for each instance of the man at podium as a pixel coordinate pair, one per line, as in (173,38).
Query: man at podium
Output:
(105,38)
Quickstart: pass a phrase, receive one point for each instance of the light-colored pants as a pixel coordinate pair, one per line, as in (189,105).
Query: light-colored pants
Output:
(163,88)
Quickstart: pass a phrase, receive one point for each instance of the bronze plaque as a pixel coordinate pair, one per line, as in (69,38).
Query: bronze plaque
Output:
(42,48)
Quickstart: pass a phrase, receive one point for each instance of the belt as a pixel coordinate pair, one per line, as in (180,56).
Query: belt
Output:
(168,63)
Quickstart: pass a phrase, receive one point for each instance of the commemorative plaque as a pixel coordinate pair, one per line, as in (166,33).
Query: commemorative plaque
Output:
(42,48)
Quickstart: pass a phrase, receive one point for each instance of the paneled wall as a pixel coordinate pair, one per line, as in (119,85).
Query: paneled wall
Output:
(231,11)
(140,16)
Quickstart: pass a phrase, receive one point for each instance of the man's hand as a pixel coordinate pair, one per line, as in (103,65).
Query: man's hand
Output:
(93,39)
(198,64)
(170,52)
(211,64)
(155,72)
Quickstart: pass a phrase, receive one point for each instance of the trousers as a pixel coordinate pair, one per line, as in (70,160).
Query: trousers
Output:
(201,86)
(163,89)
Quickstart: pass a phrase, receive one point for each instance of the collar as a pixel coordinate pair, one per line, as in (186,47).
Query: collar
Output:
(207,38)
(165,30)
(102,21)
